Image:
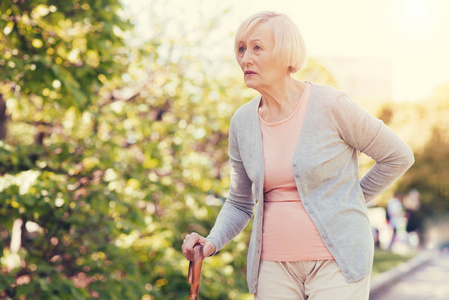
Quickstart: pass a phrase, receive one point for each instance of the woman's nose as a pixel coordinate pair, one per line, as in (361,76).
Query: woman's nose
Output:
(247,58)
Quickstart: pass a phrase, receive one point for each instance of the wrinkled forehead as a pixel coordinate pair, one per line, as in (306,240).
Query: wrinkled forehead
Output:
(260,32)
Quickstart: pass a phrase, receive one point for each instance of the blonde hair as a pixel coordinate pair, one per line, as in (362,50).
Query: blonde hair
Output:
(289,46)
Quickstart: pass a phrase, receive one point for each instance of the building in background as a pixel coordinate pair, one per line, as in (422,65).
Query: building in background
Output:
(363,78)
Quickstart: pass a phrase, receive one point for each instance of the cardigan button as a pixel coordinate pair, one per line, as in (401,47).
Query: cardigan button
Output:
(297,175)
(294,164)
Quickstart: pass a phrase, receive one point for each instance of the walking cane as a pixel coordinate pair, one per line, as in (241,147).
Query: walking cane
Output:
(194,277)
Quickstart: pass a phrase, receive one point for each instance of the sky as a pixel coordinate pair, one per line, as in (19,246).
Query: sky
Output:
(413,35)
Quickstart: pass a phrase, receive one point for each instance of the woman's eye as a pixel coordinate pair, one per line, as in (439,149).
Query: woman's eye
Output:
(257,47)
(241,49)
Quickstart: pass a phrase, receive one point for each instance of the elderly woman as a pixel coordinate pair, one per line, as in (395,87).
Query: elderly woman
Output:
(293,154)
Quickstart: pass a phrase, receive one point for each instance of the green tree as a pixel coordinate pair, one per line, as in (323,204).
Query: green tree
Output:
(58,60)
(315,72)
(428,126)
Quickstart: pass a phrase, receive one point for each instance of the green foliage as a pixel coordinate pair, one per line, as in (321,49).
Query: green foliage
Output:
(59,53)
(105,181)
(430,173)
(57,163)
(316,72)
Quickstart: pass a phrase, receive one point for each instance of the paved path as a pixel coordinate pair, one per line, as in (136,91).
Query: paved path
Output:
(429,282)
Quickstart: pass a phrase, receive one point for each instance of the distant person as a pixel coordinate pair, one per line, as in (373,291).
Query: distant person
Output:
(395,215)
(294,166)
(376,237)
(412,206)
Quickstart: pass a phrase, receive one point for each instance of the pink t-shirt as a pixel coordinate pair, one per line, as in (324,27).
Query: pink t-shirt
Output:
(288,232)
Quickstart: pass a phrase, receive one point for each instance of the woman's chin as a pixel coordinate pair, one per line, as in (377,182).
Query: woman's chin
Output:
(250,84)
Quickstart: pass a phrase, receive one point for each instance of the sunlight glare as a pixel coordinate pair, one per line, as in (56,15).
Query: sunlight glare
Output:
(415,16)
(416,10)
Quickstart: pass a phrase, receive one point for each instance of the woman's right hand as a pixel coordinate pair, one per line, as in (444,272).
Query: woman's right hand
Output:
(193,239)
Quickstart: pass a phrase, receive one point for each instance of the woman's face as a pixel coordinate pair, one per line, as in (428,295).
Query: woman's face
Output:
(257,61)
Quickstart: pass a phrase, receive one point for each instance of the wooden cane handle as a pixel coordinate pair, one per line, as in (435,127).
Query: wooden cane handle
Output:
(194,277)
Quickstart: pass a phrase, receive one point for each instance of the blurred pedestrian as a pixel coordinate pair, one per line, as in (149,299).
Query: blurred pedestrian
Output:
(412,206)
(395,215)
(294,160)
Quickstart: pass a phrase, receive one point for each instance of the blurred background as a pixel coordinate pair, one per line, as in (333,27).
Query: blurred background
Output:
(114,118)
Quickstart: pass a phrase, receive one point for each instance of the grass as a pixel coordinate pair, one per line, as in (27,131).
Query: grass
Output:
(386,260)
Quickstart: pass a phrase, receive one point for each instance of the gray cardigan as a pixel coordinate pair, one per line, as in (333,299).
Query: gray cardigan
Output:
(326,170)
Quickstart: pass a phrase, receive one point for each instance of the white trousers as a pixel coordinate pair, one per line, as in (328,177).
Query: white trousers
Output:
(312,280)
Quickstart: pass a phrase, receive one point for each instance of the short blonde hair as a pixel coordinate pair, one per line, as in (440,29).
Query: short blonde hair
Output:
(289,45)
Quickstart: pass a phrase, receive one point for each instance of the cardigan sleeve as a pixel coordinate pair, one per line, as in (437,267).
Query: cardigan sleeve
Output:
(364,132)
(239,206)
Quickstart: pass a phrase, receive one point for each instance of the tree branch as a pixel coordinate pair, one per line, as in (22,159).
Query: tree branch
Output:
(121,95)
(3,118)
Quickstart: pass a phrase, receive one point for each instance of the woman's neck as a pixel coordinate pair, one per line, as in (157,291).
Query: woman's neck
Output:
(280,99)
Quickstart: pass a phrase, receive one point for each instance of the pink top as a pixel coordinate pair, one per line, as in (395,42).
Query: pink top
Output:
(288,232)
